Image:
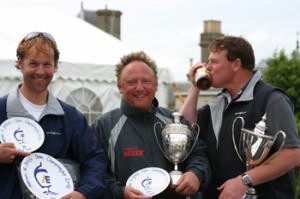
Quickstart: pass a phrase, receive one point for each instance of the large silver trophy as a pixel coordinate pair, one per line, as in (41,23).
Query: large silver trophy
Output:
(176,142)
(255,146)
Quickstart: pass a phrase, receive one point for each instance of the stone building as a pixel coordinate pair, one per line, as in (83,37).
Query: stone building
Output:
(211,30)
(105,19)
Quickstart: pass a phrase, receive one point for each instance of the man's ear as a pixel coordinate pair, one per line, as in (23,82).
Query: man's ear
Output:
(19,62)
(237,64)
(120,88)
(156,86)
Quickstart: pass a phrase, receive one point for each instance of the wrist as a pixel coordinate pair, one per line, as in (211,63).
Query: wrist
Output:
(246,179)
(194,89)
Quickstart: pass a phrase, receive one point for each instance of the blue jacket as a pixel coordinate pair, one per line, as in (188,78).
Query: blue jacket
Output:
(67,135)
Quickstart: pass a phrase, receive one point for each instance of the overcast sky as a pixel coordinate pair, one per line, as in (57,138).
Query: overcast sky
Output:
(169,30)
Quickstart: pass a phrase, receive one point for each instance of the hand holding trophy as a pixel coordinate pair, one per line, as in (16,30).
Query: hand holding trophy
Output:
(177,143)
(255,145)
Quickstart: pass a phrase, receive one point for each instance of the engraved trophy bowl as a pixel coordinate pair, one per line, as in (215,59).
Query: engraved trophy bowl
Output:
(255,145)
(176,142)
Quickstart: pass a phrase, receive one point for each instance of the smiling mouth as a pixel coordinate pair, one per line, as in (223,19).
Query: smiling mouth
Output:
(140,96)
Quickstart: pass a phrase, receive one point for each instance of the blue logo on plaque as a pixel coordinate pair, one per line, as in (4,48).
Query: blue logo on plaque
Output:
(43,179)
(147,182)
(19,135)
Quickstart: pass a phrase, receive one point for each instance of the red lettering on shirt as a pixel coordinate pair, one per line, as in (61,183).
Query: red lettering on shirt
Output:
(129,152)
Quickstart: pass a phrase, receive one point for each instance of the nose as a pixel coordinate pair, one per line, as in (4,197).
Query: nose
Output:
(208,66)
(40,69)
(139,86)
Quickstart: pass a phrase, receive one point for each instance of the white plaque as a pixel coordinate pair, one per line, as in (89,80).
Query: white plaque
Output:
(25,133)
(151,180)
(45,176)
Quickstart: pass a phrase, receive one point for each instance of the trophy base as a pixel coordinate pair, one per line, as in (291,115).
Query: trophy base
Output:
(251,194)
(175,175)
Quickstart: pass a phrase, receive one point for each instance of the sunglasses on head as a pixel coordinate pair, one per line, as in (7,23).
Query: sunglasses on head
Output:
(35,34)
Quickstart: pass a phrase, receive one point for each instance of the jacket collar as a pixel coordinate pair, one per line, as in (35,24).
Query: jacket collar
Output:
(15,108)
(131,111)
(218,104)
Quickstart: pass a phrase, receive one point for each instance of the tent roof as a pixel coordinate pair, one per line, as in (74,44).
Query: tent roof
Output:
(78,41)
(83,47)
(77,71)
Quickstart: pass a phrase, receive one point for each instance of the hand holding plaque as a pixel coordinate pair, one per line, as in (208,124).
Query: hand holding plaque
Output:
(255,145)
(177,143)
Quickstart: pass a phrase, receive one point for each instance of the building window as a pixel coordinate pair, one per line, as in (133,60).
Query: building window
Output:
(87,102)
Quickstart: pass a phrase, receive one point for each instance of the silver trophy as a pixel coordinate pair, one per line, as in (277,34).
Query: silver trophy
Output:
(255,145)
(177,142)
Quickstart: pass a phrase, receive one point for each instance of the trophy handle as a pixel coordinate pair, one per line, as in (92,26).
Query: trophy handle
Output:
(283,139)
(282,133)
(233,137)
(195,141)
(159,145)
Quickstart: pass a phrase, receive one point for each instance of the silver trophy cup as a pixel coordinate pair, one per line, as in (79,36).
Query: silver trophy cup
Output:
(255,145)
(177,142)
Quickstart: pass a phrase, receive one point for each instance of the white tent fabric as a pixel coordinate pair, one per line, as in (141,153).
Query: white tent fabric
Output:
(87,59)
(78,41)
(99,79)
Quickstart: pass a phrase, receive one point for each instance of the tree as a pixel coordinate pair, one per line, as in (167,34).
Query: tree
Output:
(284,73)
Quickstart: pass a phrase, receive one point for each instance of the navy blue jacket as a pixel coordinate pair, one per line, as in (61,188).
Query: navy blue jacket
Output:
(67,135)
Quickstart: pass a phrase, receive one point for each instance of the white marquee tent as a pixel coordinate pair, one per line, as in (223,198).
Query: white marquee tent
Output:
(86,74)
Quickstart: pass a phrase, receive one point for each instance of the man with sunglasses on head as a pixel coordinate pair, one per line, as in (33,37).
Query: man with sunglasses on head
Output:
(67,133)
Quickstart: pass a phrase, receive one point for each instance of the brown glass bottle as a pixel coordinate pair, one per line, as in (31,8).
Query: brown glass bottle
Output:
(203,79)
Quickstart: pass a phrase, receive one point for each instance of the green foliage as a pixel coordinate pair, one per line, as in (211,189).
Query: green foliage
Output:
(284,72)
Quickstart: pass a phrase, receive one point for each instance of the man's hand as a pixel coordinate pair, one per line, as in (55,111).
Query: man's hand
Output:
(132,193)
(8,153)
(188,184)
(233,189)
(74,195)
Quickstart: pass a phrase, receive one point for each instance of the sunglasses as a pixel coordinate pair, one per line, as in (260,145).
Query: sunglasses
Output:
(35,34)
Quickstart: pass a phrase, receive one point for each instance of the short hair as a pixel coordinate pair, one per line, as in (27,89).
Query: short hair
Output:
(236,47)
(39,40)
(135,56)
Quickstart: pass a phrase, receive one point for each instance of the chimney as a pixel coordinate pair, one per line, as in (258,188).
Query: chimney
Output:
(212,30)
(109,21)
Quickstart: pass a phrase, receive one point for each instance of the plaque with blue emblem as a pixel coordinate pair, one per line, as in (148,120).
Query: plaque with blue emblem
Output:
(25,133)
(45,177)
(151,180)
